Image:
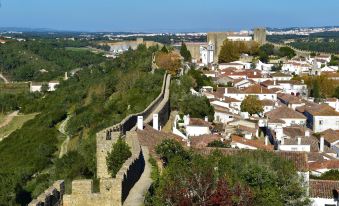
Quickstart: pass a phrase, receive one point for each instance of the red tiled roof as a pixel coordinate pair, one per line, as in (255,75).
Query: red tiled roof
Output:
(321,110)
(254,143)
(257,89)
(284,113)
(203,140)
(323,188)
(327,164)
(198,122)
(330,135)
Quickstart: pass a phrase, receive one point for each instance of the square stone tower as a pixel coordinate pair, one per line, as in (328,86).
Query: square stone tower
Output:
(260,35)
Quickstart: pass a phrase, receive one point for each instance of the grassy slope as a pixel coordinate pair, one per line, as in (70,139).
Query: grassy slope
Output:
(15,124)
(14,88)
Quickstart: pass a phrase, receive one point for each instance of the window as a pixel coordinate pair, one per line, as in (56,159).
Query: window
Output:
(321,122)
(293,122)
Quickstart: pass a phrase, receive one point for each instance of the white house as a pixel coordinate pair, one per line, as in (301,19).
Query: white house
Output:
(37,86)
(265,68)
(333,102)
(287,115)
(278,76)
(197,127)
(289,87)
(255,90)
(321,117)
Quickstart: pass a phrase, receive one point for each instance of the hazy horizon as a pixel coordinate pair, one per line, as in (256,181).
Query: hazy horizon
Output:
(171,16)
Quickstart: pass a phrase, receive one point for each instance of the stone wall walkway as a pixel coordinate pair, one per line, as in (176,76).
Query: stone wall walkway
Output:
(137,194)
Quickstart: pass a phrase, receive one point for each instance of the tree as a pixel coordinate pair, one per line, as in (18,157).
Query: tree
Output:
(170,62)
(229,52)
(168,149)
(164,49)
(44,88)
(268,49)
(218,143)
(184,52)
(252,105)
(286,52)
(116,158)
(196,106)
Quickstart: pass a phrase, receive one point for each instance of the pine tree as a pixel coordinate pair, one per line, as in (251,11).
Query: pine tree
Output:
(185,53)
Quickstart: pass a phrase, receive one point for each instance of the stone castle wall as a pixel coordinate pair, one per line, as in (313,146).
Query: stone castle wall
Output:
(114,191)
(52,196)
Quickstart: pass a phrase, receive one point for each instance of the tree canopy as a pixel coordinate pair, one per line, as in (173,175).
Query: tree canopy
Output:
(116,158)
(184,52)
(252,105)
(248,178)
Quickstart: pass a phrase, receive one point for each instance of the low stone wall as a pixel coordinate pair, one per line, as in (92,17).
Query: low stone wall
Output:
(52,196)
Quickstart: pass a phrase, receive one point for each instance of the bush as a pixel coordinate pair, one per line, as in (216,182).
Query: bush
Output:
(116,158)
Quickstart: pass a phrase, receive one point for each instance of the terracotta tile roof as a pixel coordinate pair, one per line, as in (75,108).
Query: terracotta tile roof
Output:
(233,90)
(330,135)
(248,129)
(254,143)
(295,131)
(151,138)
(267,83)
(323,188)
(316,157)
(276,121)
(279,74)
(267,102)
(219,93)
(257,89)
(276,90)
(289,99)
(312,141)
(284,113)
(198,122)
(230,100)
(326,164)
(203,140)
(321,110)
(331,100)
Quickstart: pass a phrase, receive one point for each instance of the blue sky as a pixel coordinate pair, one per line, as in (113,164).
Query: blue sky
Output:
(166,15)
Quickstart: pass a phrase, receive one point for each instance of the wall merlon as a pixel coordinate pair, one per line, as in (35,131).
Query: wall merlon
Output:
(82,186)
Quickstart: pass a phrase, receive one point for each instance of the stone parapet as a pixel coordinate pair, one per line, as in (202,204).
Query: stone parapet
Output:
(52,196)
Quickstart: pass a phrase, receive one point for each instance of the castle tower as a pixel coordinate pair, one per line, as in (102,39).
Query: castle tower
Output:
(260,35)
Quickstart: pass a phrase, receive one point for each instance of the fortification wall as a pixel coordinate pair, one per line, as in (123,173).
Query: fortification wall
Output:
(194,50)
(300,52)
(114,191)
(52,196)
(216,38)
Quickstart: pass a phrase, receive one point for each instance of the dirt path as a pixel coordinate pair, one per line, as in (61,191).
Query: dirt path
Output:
(62,129)
(4,78)
(8,119)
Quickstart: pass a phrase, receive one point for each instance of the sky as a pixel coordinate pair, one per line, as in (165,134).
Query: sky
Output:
(167,15)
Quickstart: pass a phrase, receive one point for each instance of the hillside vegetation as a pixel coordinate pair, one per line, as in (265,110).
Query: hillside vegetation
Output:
(96,97)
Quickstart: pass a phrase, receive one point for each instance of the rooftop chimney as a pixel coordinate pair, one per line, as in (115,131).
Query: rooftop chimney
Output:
(206,118)
(156,121)
(299,140)
(226,92)
(322,142)
(307,133)
(282,141)
(140,123)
